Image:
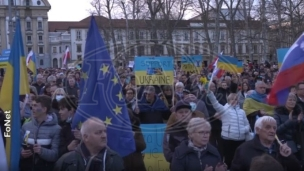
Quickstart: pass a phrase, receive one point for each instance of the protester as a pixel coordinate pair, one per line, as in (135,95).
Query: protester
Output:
(176,131)
(264,142)
(265,163)
(92,153)
(40,137)
(235,125)
(197,154)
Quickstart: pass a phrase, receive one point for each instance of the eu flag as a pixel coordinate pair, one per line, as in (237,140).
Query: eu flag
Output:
(9,98)
(101,95)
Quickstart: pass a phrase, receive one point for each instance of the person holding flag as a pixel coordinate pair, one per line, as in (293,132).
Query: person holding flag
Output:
(102,114)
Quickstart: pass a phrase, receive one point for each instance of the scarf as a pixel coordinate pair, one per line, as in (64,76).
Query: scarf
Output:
(197,149)
(258,97)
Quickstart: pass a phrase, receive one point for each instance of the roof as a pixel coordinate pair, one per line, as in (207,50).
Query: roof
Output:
(104,22)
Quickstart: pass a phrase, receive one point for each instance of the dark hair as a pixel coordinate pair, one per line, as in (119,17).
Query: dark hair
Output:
(68,102)
(265,163)
(44,100)
(131,89)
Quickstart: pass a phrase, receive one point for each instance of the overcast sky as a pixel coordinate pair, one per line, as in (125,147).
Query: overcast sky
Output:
(69,10)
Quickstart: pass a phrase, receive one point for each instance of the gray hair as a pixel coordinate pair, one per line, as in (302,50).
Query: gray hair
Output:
(259,123)
(179,84)
(51,78)
(87,125)
(195,123)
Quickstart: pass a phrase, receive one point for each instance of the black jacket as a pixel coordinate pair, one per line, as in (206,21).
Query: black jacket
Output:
(253,148)
(187,159)
(66,137)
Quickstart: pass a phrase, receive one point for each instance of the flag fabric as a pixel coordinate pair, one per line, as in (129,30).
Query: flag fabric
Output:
(31,62)
(280,55)
(227,63)
(290,73)
(101,94)
(3,161)
(240,66)
(66,56)
(9,97)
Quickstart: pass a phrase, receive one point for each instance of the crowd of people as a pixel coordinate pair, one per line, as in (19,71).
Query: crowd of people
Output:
(222,125)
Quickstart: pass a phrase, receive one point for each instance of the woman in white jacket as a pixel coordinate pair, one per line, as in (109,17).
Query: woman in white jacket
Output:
(235,125)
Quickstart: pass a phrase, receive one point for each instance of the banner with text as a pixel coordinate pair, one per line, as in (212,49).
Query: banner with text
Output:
(154,70)
(153,155)
(192,63)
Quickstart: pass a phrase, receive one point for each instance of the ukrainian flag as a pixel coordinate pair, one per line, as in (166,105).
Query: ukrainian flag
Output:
(240,66)
(228,63)
(280,55)
(15,75)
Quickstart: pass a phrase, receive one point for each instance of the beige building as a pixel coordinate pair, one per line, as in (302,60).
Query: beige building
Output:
(188,38)
(33,15)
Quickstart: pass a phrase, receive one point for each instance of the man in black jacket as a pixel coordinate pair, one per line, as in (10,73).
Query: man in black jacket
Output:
(264,142)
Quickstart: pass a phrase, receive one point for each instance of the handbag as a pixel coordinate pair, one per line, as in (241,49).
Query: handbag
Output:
(249,135)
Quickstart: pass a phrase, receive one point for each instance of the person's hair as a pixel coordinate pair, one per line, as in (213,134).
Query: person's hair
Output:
(69,102)
(258,83)
(195,123)
(292,95)
(299,85)
(179,84)
(44,100)
(85,127)
(173,120)
(60,91)
(131,89)
(265,162)
(231,95)
(259,122)
(51,78)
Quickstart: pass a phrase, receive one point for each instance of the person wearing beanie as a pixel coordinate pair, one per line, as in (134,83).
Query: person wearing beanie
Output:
(176,131)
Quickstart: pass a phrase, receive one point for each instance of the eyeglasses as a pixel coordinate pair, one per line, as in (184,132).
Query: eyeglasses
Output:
(203,132)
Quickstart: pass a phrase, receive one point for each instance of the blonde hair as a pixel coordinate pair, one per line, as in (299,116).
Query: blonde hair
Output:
(59,91)
(195,123)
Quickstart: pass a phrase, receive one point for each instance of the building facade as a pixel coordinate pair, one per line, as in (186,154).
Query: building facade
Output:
(58,41)
(188,38)
(33,16)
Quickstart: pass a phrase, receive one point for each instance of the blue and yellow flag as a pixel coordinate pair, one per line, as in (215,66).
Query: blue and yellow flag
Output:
(227,63)
(240,66)
(101,94)
(154,70)
(14,83)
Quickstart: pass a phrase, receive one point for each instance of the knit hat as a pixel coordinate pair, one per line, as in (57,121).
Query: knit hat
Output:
(182,104)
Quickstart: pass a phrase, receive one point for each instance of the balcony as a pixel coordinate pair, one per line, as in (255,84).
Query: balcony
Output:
(28,31)
(40,30)
(29,42)
(40,42)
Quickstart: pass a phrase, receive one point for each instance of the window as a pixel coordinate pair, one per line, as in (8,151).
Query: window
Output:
(186,36)
(27,2)
(79,48)
(186,49)
(131,35)
(119,36)
(60,49)
(78,35)
(205,49)
(39,25)
(29,38)
(40,38)
(222,48)
(41,62)
(196,36)
(222,35)
(141,35)
(29,49)
(54,49)
(255,48)
(12,3)
(141,50)
(247,49)
(213,35)
(161,49)
(79,57)
(132,51)
(196,49)
(177,37)
(240,49)
(40,49)
(28,25)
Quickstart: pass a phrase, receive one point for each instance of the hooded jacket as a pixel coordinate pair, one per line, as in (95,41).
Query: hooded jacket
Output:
(80,159)
(45,134)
